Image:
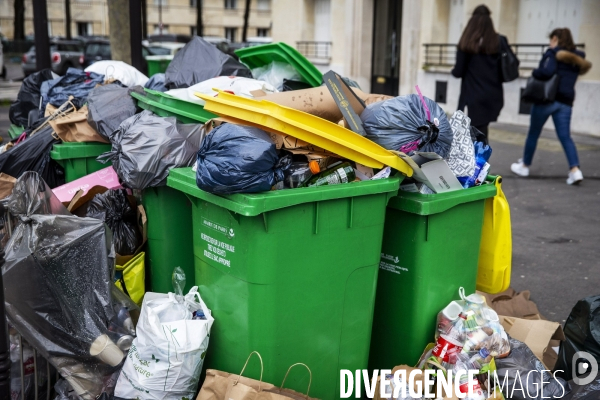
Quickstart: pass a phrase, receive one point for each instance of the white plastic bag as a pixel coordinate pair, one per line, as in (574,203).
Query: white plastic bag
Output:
(124,73)
(166,358)
(234,84)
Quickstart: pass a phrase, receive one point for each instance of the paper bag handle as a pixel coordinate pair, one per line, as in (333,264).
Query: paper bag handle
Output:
(261,369)
(309,377)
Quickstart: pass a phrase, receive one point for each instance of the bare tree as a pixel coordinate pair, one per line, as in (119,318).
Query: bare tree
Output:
(19,22)
(144,19)
(246,16)
(68,19)
(199,24)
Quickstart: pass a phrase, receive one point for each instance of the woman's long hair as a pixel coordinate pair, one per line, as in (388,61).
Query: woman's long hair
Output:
(565,39)
(479,36)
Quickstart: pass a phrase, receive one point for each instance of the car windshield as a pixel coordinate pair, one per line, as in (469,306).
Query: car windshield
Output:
(98,49)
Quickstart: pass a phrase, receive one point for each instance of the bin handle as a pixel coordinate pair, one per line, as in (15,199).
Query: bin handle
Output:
(261,369)
(309,377)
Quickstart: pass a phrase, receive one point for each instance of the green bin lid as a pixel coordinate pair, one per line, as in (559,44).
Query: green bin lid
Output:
(428,204)
(258,56)
(252,204)
(68,150)
(166,105)
(15,131)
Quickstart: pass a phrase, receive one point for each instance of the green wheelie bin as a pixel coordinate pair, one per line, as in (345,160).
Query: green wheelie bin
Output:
(430,249)
(79,158)
(290,274)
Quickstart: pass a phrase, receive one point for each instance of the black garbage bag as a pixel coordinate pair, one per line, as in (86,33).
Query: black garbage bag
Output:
(146,147)
(75,82)
(157,82)
(33,154)
(58,289)
(522,385)
(29,97)
(591,391)
(582,333)
(108,106)
(401,124)
(113,207)
(238,159)
(198,61)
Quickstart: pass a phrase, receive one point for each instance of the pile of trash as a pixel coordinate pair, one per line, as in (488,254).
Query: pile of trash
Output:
(75,283)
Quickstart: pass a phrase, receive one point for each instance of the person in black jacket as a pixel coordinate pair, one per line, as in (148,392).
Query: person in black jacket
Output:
(478,64)
(564,60)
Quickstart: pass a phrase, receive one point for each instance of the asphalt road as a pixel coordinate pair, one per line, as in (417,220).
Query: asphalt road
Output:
(556,227)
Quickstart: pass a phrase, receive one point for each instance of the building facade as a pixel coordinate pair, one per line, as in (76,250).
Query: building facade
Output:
(389,46)
(223,18)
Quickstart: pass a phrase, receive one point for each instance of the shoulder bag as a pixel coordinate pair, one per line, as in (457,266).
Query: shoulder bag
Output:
(509,61)
(539,92)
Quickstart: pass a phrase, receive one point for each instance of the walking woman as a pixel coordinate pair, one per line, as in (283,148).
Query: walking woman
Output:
(478,64)
(567,62)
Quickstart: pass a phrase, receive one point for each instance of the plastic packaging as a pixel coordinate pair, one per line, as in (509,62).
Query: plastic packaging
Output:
(237,159)
(401,124)
(463,365)
(591,391)
(120,71)
(28,98)
(232,84)
(146,147)
(75,82)
(462,153)
(33,154)
(198,61)
(276,73)
(108,106)
(59,294)
(166,357)
(300,172)
(334,175)
(114,208)
(482,155)
(516,370)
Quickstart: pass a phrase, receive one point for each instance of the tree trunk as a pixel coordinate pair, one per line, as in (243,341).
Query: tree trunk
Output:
(144,19)
(68,19)
(19,22)
(40,28)
(246,16)
(199,24)
(118,21)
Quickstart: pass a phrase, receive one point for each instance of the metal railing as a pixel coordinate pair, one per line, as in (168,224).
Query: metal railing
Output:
(311,49)
(444,54)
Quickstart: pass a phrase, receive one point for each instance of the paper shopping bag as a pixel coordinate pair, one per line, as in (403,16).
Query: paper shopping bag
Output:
(74,127)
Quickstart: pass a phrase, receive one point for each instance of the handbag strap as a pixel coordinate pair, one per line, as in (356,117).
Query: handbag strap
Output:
(261,369)
(309,377)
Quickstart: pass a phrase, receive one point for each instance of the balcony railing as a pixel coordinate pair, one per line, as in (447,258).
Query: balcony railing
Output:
(315,50)
(444,54)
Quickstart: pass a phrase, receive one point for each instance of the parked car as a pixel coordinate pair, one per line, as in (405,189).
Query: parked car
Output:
(64,54)
(99,49)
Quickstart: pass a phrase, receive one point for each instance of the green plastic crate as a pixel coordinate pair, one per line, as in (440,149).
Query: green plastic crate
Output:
(169,232)
(290,274)
(258,56)
(79,158)
(158,64)
(14,131)
(430,249)
(166,105)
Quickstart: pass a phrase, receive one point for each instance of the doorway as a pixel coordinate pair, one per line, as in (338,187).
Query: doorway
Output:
(387,28)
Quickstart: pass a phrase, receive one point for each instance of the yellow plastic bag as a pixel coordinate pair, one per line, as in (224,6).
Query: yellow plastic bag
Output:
(131,278)
(495,252)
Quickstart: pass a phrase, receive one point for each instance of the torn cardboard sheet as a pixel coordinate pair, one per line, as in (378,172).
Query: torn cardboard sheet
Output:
(538,335)
(513,304)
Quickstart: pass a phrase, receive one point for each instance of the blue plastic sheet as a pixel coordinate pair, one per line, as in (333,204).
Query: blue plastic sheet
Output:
(75,82)
(157,82)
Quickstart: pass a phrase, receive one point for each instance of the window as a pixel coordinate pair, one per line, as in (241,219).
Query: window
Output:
(84,28)
(193,30)
(230,33)
(160,2)
(263,5)
(230,4)
(193,3)
(262,32)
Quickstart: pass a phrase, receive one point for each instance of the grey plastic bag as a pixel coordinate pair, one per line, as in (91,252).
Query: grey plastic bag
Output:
(198,61)
(401,124)
(146,147)
(522,385)
(108,106)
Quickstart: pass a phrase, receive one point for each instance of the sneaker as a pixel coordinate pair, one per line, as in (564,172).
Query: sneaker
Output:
(575,177)
(519,168)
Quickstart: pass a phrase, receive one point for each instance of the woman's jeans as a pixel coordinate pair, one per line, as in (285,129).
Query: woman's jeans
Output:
(561,115)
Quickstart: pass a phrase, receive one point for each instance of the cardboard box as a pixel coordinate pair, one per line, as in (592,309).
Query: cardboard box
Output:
(106,177)
(511,303)
(416,188)
(432,170)
(537,335)
(347,101)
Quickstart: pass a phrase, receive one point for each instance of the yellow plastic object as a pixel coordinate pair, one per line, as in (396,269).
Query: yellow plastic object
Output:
(495,253)
(133,276)
(307,127)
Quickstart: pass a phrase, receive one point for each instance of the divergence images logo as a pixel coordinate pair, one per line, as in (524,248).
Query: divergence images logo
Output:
(581,367)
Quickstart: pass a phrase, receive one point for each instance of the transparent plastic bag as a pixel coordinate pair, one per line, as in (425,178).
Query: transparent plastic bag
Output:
(275,73)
